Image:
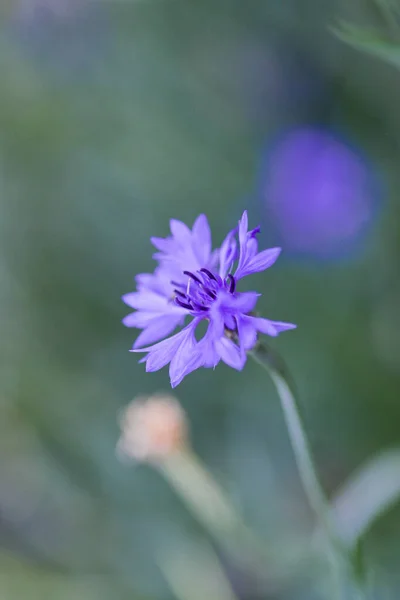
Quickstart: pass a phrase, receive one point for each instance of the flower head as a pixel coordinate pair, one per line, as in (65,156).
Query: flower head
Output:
(152,428)
(193,281)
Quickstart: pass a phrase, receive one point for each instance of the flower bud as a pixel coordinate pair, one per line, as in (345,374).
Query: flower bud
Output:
(153,428)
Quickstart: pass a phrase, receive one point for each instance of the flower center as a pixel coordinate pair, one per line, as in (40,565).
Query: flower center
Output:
(201,290)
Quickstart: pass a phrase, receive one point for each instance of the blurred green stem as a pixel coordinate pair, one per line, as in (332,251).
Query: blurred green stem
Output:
(195,573)
(210,506)
(338,555)
(203,496)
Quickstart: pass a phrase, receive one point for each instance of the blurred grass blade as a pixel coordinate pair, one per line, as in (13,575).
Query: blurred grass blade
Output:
(367,495)
(369,42)
(21,579)
(210,506)
(195,574)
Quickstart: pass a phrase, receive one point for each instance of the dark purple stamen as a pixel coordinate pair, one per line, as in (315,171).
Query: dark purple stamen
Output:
(183,304)
(200,296)
(198,306)
(210,293)
(177,284)
(207,272)
(194,277)
(232,285)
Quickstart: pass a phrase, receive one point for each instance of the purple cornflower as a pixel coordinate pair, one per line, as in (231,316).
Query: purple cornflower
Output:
(191,280)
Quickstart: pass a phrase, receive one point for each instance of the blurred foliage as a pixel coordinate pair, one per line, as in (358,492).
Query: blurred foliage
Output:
(114,117)
(369,42)
(383,43)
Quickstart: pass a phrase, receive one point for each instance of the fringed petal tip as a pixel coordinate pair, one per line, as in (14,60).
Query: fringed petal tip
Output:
(129,298)
(126,321)
(244,219)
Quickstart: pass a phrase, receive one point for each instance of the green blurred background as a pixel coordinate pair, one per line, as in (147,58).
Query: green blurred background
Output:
(114,117)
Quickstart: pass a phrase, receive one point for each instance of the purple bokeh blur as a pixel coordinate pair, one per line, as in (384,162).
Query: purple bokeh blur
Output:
(318,193)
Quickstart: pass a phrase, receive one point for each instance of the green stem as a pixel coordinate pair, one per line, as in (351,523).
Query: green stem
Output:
(195,573)
(307,471)
(210,506)
(208,503)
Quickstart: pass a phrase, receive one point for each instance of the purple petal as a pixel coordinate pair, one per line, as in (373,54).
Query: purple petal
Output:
(269,327)
(158,282)
(243,239)
(204,353)
(131,298)
(153,282)
(187,358)
(230,353)
(252,247)
(146,300)
(227,254)
(163,352)
(160,357)
(163,244)
(151,302)
(230,321)
(206,345)
(242,302)
(139,318)
(202,239)
(179,230)
(145,279)
(216,325)
(158,329)
(214,258)
(243,227)
(263,260)
(195,362)
(247,333)
(165,257)
(183,353)
(210,356)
